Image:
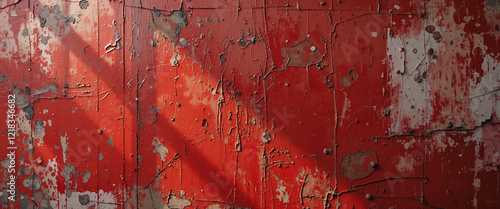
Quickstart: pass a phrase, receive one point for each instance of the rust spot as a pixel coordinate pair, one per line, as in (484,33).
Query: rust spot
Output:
(437,36)
(301,54)
(170,25)
(358,165)
(349,79)
(329,81)
(430,28)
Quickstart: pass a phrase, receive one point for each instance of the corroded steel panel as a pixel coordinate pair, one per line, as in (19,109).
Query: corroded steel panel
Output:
(250,104)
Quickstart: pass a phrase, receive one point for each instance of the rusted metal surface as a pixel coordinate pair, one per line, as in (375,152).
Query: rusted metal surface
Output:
(252,104)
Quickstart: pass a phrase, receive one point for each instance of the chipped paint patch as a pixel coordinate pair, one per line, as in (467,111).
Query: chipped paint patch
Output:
(170,25)
(50,88)
(64,145)
(357,165)
(110,141)
(214,206)
(405,164)
(39,131)
(175,202)
(301,54)
(409,66)
(33,182)
(483,94)
(282,195)
(160,149)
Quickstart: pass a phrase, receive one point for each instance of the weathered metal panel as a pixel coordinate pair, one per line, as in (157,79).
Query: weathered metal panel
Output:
(251,104)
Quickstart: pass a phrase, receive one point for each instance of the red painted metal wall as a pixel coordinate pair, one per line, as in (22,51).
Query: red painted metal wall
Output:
(251,104)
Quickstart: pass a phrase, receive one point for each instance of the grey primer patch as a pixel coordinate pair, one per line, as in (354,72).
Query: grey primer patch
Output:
(83,4)
(29,142)
(50,88)
(101,156)
(29,112)
(86,176)
(25,32)
(5,198)
(39,129)
(33,182)
(3,78)
(56,20)
(170,25)
(23,171)
(266,138)
(5,163)
(84,199)
(24,201)
(67,170)
(44,39)
(110,141)
(21,100)
(43,199)
(68,193)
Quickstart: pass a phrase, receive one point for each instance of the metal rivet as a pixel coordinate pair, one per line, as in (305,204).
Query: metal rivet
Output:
(369,197)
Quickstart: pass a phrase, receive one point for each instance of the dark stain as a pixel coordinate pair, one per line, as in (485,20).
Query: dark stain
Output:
(411,131)
(491,3)
(25,32)
(301,54)
(358,165)
(83,4)
(349,79)
(204,125)
(29,112)
(418,79)
(430,51)
(170,25)
(424,75)
(3,78)
(222,58)
(84,199)
(386,111)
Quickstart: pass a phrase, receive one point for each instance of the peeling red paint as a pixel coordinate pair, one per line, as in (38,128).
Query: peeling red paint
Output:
(253,104)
